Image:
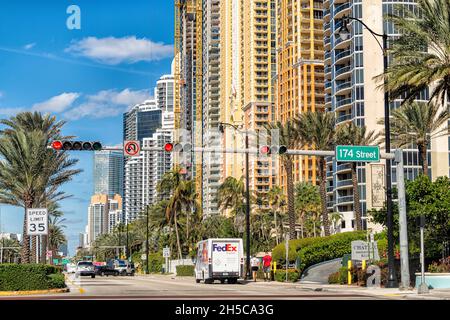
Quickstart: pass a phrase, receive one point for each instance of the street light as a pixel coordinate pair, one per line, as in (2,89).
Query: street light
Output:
(344,33)
(247,194)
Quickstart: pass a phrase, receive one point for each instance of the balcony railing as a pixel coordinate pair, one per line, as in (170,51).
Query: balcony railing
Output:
(345,199)
(344,183)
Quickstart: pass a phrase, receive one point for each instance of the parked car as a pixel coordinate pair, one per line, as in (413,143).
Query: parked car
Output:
(85,268)
(106,271)
(124,268)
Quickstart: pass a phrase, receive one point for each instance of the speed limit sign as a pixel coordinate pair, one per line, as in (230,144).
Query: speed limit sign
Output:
(37,221)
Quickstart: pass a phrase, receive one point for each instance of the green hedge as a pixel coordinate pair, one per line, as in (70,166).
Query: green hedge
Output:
(328,248)
(185,270)
(279,252)
(21,277)
(293,275)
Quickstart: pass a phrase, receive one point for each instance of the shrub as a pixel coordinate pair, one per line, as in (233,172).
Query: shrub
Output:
(293,275)
(21,277)
(328,248)
(185,270)
(279,252)
(155,262)
(334,278)
(443,266)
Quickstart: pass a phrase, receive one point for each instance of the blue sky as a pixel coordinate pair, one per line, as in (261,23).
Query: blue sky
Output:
(88,77)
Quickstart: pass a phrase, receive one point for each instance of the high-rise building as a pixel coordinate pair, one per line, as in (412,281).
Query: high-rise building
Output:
(211,104)
(258,82)
(351,93)
(99,214)
(300,71)
(108,172)
(188,79)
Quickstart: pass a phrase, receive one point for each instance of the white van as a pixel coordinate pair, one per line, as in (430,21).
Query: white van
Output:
(219,259)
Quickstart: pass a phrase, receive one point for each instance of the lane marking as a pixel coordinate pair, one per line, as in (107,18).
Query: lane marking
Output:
(80,289)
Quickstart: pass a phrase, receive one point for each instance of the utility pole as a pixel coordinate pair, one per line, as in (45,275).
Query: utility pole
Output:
(247,207)
(403,223)
(146,243)
(423,287)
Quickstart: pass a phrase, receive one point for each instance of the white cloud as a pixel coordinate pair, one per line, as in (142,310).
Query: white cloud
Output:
(114,51)
(10,111)
(107,103)
(29,46)
(57,103)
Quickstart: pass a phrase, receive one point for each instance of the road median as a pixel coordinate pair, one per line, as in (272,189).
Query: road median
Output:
(32,292)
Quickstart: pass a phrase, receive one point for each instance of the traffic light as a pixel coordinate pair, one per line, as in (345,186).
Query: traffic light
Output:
(67,145)
(275,149)
(178,147)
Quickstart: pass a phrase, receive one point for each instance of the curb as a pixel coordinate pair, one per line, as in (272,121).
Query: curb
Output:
(32,292)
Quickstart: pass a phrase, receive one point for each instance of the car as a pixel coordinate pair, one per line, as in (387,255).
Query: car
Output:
(85,268)
(124,267)
(105,271)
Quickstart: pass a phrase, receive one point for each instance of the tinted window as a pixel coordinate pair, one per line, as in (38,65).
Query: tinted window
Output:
(85,263)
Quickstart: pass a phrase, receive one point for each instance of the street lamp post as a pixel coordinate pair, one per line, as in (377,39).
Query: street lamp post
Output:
(146,243)
(247,196)
(344,34)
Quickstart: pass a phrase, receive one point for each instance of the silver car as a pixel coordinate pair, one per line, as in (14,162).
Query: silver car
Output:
(85,268)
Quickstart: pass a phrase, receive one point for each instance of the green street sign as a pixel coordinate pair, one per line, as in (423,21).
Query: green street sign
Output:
(358,153)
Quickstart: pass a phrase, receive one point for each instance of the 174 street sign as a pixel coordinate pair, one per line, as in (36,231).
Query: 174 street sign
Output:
(37,221)
(358,153)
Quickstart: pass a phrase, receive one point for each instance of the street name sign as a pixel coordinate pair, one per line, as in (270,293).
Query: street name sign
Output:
(37,221)
(166,252)
(358,153)
(131,148)
(361,250)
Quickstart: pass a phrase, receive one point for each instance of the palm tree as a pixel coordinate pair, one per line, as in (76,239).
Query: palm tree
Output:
(288,137)
(276,199)
(307,200)
(31,174)
(335,217)
(418,123)
(351,134)
(53,209)
(231,195)
(421,55)
(56,235)
(317,129)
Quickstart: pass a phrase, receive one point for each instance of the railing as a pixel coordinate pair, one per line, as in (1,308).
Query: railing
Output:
(344,85)
(342,70)
(341,7)
(343,102)
(344,199)
(341,55)
(344,183)
(341,167)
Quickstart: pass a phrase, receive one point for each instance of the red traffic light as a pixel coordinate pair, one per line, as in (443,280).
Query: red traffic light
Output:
(168,147)
(264,149)
(57,145)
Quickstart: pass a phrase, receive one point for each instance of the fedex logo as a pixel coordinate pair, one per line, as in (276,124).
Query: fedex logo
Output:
(226,247)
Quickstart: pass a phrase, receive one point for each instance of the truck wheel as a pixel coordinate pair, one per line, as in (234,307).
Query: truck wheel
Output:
(222,281)
(197,280)
(93,276)
(209,281)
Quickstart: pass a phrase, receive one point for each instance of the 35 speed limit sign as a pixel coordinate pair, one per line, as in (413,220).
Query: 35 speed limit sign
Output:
(37,221)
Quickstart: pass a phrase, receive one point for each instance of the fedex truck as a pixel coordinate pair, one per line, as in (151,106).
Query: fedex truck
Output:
(219,259)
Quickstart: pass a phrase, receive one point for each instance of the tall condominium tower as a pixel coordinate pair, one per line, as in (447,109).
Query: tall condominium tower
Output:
(352,94)
(211,103)
(300,70)
(100,208)
(188,82)
(258,82)
(108,172)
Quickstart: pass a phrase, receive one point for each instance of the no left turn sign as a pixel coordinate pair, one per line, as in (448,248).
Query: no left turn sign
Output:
(131,148)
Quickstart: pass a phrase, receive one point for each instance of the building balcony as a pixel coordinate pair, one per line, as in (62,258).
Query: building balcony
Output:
(344,184)
(342,56)
(344,200)
(343,104)
(343,88)
(341,10)
(343,118)
(343,72)
(341,168)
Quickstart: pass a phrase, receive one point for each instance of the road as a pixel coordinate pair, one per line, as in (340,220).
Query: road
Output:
(169,287)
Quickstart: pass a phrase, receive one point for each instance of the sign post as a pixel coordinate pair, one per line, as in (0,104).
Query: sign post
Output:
(287,255)
(358,153)
(166,255)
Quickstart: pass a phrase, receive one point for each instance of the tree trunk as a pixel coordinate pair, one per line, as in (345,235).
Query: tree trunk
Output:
(356,202)
(314,229)
(25,252)
(423,157)
(323,195)
(33,248)
(177,235)
(290,194)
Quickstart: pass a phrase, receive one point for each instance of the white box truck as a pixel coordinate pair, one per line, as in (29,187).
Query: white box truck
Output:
(219,259)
